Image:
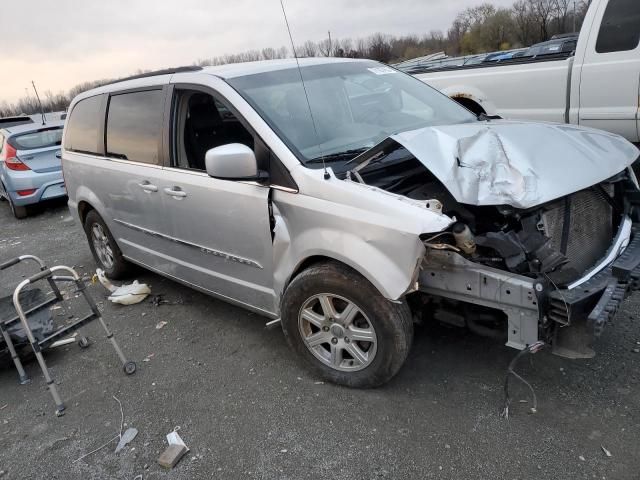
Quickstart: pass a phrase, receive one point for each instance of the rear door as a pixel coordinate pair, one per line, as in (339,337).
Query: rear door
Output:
(610,74)
(132,176)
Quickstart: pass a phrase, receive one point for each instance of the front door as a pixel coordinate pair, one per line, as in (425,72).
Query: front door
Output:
(221,229)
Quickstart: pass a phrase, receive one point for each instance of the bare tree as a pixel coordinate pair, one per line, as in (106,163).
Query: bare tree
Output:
(380,47)
(561,12)
(308,49)
(325,48)
(542,12)
(523,20)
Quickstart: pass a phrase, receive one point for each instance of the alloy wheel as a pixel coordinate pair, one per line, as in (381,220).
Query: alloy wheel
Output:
(337,332)
(101,246)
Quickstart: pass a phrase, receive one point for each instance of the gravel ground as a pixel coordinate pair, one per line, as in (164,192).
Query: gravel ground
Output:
(247,409)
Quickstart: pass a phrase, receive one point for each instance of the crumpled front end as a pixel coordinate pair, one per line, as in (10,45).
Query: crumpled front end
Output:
(558,273)
(544,216)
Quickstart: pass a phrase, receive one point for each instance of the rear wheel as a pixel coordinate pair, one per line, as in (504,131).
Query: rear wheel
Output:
(18,211)
(343,328)
(104,248)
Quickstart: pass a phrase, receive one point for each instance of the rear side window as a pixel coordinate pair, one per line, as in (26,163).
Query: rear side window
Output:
(83,127)
(620,28)
(39,139)
(134,126)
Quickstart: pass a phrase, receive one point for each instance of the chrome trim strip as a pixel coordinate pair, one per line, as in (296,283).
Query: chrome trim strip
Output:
(111,159)
(620,243)
(215,253)
(248,306)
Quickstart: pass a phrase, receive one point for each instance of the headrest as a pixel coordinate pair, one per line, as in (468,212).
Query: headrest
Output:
(204,116)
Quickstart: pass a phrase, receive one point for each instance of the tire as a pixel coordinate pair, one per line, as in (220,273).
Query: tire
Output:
(388,324)
(18,212)
(118,267)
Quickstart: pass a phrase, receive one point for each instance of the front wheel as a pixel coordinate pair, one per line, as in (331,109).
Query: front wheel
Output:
(343,328)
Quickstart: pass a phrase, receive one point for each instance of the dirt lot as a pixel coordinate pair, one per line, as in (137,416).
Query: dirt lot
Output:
(247,409)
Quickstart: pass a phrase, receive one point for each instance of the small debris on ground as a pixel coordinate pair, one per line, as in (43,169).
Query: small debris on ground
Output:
(158,300)
(4,406)
(124,294)
(173,438)
(126,438)
(160,324)
(171,456)
(606,452)
(148,357)
(582,459)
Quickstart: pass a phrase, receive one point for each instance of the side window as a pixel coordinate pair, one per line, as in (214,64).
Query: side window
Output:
(134,126)
(620,28)
(83,127)
(201,123)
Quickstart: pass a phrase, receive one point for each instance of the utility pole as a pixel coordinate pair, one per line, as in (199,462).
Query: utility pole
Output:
(44,121)
(330,47)
(574,15)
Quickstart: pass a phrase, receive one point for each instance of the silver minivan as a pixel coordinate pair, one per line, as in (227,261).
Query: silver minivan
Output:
(348,201)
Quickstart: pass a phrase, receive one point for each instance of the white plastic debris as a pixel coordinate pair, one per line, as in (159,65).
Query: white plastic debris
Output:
(174,439)
(127,437)
(125,294)
(606,452)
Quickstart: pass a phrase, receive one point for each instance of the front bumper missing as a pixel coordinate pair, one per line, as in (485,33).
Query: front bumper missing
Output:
(598,300)
(531,305)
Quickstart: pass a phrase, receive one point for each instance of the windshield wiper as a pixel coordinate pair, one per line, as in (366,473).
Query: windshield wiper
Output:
(336,157)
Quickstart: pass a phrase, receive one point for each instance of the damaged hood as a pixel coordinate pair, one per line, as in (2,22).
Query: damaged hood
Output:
(522,164)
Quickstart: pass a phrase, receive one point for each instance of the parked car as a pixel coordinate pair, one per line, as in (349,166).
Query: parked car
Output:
(30,169)
(6,122)
(389,203)
(565,44)
(595,83)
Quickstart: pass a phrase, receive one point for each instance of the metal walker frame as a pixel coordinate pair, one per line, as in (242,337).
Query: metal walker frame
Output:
(129,367)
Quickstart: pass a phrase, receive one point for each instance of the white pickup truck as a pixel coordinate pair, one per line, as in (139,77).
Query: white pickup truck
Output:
(597,86)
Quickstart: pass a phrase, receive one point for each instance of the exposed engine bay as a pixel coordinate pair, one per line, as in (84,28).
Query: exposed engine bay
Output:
(553,245)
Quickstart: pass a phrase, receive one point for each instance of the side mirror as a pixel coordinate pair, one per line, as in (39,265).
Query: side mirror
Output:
(234,161)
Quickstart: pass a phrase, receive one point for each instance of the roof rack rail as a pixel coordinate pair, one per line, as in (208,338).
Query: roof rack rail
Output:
(165,71)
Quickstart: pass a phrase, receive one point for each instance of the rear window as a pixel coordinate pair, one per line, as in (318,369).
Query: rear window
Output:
(620,28)
(39,139)
(83,126)
(134,126)
(13,121)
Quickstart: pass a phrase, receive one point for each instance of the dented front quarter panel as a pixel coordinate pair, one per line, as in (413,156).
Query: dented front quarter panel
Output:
(373,231)
(522,164)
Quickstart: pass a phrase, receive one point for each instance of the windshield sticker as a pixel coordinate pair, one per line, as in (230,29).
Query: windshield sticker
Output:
(382,70)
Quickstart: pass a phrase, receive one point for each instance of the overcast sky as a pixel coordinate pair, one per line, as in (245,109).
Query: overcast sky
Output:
(62,43)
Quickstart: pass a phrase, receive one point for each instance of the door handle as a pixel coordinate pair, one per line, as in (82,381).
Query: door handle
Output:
(147,187)
(175,192)
(59,155)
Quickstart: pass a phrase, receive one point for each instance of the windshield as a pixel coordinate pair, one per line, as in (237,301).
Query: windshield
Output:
(355,106)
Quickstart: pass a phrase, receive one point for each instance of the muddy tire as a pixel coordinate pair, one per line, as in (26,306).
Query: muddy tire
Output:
(343,328)
(104,248)
(18,212)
